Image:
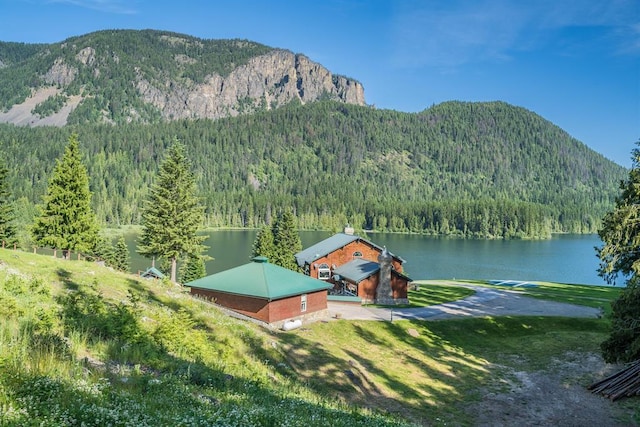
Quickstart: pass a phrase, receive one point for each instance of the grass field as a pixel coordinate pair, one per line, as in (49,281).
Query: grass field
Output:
(80,343)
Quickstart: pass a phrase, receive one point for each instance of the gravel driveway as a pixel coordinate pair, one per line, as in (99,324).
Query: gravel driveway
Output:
(485,302)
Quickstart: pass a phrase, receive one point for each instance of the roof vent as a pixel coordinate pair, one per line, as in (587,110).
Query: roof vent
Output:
(260,259)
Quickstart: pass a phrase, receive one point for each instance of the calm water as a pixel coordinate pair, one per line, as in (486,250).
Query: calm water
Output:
(564,258)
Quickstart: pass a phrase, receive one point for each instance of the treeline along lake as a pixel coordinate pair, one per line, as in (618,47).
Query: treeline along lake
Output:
(565,258)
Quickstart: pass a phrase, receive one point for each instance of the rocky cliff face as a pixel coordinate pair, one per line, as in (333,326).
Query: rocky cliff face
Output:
(121,86)
(266,82)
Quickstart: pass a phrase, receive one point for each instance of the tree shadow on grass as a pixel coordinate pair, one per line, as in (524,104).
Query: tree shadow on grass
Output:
(65,278)
(385,368)
(149,294)
(137,360)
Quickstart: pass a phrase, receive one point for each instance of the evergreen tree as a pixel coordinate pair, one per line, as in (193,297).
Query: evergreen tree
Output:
(172,214)
(620,253)
(620,230)
(263,245)
(192,269)
(121,255)
(7,214)
(66,219)
(623,343)
(103,250)
(286,241)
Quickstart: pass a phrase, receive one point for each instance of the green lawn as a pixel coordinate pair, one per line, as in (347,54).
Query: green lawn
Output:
(591,296)
(434,368)
(426,294)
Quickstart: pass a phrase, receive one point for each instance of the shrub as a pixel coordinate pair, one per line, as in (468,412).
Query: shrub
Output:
(623,345)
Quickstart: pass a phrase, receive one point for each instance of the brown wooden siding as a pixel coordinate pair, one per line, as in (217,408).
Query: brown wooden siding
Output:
(288,308)
(263,310)
(345,254)
(399,286)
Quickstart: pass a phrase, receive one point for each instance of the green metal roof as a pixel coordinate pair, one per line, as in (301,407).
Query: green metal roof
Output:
(260,279)
(152,272)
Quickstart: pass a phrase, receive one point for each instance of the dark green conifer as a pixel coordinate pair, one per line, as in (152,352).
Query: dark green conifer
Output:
(103,250)
(172,214)
(192,269)
(620,254)
(7,215)
(121,255)
(66,219)
(263,245)
(286,241)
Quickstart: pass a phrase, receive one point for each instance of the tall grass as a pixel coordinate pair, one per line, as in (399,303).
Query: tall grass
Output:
(81,345)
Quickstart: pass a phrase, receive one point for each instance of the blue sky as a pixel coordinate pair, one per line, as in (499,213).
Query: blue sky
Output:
(574,62)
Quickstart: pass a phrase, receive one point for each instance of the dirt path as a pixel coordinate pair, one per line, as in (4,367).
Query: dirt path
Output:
(554,397)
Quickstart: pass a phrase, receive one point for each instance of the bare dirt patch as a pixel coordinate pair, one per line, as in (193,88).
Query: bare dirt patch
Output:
(556,396)
(21,114)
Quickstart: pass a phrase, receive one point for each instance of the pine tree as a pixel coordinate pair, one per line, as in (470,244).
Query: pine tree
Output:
(263,245)
(286,241)
(620,230)
(620,253)
(7,215)
(192,269)
(103,250)
(121,255)
(66,219)
(172,214)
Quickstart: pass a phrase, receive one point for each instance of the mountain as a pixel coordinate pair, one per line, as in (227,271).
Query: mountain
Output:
(122,76)
(287,133)
(458,168)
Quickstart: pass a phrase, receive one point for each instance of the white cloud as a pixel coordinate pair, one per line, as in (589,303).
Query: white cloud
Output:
(448,34)
(111,6)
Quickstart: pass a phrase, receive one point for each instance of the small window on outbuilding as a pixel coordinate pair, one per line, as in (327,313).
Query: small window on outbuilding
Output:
(357,254)
(324,272)
(303,302)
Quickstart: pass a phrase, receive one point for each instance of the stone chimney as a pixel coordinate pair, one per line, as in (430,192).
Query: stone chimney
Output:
(384,294)
(348,230)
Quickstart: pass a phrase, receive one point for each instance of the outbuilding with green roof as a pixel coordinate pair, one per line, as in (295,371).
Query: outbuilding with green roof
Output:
(265,291)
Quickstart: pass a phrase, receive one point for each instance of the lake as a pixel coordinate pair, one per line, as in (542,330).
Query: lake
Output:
(566,258)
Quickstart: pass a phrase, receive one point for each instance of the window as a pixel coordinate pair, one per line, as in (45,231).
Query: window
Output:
(357,254)
(324,272)
(303,302)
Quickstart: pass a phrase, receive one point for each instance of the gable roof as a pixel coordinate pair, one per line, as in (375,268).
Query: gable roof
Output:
(260,279)
(359,269)
(324,247)
(152,273)
(331,244)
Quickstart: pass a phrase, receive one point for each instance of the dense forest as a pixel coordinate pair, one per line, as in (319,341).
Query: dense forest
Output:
(123,55)
(471,169)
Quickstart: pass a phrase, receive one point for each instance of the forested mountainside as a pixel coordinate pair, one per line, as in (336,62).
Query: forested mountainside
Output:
(148,76)
(475,169)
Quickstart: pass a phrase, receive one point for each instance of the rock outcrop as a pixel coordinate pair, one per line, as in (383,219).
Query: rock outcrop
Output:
(123,83)
(265,82)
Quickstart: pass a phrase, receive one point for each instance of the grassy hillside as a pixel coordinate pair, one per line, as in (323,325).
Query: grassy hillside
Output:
(80,343)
